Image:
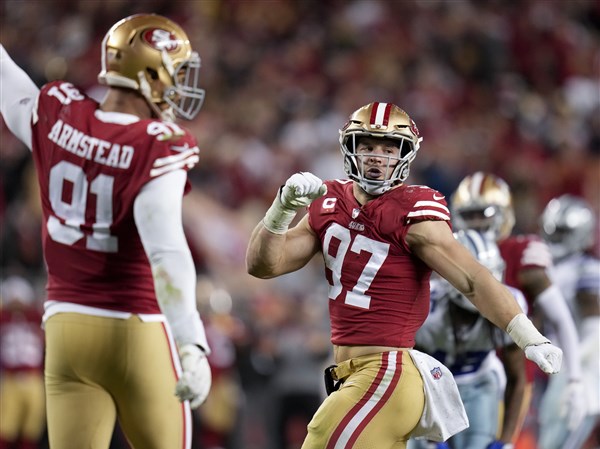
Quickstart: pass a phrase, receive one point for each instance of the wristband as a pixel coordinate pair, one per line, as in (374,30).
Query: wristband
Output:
(524,333)
(278,218)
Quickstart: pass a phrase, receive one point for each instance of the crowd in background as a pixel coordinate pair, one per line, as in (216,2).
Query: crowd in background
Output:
(509,87)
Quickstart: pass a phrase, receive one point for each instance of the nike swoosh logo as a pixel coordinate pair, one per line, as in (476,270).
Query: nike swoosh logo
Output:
(438,197)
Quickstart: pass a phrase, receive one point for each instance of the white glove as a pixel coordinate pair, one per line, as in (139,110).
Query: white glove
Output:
(537,348)
(573,404)
(547,356)
(301,189)
(194,384)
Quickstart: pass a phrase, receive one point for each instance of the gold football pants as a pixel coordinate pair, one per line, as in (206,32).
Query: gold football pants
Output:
(101,369)
(377,406)
(22,410)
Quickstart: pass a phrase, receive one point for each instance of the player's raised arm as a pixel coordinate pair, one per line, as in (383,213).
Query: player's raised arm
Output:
(273,249)
(17,97)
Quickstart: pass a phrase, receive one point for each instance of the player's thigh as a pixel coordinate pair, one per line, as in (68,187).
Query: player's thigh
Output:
(150,414)
(371,409)
(79,354)
(67,420)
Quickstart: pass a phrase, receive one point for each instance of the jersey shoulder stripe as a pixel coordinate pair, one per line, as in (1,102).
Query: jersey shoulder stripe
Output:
(425,203)
(187,158)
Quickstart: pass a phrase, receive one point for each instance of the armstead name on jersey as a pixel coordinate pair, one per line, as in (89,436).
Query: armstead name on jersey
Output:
(88,147)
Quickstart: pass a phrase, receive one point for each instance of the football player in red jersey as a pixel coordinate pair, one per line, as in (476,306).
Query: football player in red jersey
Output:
(123,336)
(22,406)
(380,240)
(483,201)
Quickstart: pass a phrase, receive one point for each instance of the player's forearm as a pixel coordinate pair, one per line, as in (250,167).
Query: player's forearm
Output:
(514,418)
(515,401)
(493,300)
(264,253)
(569,343)
(175,286)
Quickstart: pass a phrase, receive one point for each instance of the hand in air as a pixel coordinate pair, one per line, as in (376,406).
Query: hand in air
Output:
(196,379)
(301,189)
(547,356)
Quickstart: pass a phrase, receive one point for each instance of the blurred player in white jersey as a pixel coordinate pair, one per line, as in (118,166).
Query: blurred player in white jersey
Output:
(483,201)
(459,336)
(124,339)
(380,240)
(568,225)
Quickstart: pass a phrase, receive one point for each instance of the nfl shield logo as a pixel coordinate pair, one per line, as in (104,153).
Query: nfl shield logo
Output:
(355,212)
(436,373)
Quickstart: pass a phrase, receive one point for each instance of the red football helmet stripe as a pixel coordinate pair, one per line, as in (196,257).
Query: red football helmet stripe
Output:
(380,114)
(374,113)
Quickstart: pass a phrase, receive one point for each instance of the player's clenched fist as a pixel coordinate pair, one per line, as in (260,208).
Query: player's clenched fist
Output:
(299,191)
(537,348)
(547,356)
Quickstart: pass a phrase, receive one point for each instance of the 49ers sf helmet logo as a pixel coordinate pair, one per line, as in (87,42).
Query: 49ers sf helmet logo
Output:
(413,128)
(161,39)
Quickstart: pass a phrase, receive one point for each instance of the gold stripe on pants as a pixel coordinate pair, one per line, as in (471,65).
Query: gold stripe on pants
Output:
(377,406)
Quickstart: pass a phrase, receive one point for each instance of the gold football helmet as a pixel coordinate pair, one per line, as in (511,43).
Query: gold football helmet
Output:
(385,121)
(142,48)
(483,202)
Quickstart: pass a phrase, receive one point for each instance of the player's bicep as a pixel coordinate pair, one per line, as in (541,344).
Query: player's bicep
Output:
(514,362)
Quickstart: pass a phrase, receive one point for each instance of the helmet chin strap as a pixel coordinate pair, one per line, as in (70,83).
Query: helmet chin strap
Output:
(375,189)
(380,187)
(167,114)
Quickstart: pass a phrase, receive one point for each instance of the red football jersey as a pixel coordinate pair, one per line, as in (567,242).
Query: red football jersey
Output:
(21,340)
(91,166)
(520,253)
(378,290)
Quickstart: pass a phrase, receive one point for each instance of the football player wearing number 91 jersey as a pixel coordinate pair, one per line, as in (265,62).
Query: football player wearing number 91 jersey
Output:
(124,339)
(380,239)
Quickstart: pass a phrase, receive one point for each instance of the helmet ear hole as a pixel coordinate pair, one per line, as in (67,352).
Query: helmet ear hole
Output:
(406,148)
(153,73)
(351,144)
